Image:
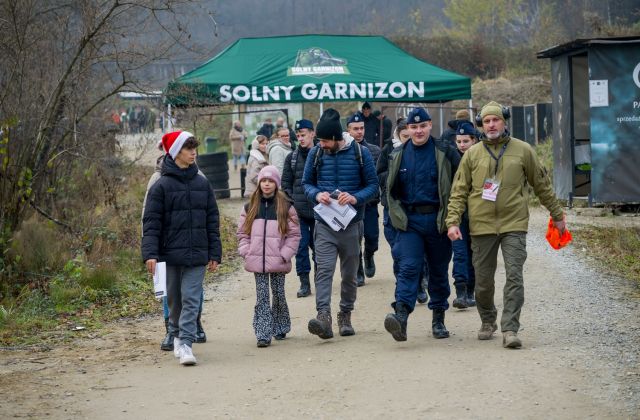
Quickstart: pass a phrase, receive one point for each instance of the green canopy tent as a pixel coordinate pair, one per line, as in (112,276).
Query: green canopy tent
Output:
(315,68)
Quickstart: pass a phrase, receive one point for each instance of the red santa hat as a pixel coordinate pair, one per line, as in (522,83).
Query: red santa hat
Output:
(173,142)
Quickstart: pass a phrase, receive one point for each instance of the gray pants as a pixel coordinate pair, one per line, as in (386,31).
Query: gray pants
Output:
(329,245)
(184,289)
(485,255)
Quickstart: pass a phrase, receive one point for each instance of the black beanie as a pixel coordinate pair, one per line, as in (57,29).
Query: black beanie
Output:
(329,127)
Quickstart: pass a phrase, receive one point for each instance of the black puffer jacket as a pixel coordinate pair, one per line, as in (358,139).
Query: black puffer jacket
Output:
(181,223)
(375,155)
(292,183)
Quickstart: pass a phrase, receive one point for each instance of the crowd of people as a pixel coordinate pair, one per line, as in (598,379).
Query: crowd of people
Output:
(459,197)
(134,119)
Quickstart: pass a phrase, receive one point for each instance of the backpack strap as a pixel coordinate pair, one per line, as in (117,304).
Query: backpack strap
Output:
(317,158)
(359,154)
(294,159)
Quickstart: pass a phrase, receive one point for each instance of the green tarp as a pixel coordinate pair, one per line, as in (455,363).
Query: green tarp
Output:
(315,68)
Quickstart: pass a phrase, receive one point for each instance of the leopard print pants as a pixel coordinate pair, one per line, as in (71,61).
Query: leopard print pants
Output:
(270,320)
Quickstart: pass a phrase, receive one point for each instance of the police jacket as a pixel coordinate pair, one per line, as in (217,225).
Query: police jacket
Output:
(181,220)
(343,171)
(518,168)
(375,155)
(372,129)
(292,182)
(447,161)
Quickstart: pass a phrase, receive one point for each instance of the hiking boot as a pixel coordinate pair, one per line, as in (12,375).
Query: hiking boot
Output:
(438,328)
(321,325)
(176,347)
(369,265)
(305,287)
(167,341)
(486,330)
(460,301)
(263,343)
(186,355)
(471,300)
(510,340)
(360,274)
(280,336)
(344,324)
(201,337)
(396,324)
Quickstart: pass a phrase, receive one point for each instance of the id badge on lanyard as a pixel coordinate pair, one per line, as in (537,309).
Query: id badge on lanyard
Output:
(491,186)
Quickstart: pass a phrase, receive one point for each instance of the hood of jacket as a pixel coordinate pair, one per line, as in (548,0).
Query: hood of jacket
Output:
(257,155)
(169,167)
(278,143)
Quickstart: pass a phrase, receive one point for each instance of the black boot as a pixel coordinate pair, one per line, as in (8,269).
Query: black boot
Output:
(360,274)
(201,337)
(396,324)
(471,300)
(369,265)
(437,324)
(167,342)
(460,301)
(305,287)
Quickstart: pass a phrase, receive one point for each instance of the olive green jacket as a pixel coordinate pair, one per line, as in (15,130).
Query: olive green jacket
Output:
(446,169)
(518,168)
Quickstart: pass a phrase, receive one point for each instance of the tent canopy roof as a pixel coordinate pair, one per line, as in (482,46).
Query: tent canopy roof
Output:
(581,43)
(314,68)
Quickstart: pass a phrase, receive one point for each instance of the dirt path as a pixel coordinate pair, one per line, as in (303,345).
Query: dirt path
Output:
(580,358)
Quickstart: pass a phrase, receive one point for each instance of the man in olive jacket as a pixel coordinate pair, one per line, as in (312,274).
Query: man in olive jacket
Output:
(418,187)
(492,182)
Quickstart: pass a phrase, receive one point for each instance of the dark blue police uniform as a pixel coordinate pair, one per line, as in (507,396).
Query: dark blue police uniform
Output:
(417,188)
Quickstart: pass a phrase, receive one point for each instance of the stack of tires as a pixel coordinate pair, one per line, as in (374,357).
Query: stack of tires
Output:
(215,167)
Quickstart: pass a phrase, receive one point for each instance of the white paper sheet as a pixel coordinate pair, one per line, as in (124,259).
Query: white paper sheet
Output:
(160,280)
(335,215)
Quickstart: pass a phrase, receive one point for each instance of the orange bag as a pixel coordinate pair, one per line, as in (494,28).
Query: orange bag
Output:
(555,239)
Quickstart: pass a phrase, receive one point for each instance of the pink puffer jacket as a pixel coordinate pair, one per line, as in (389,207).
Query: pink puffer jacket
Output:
(266,250)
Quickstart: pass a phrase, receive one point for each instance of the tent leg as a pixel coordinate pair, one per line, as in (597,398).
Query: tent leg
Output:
(169,122)
(321,108)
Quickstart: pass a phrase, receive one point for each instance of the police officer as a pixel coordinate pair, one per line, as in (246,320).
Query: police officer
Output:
(292,185)
(418,188)
(356,129)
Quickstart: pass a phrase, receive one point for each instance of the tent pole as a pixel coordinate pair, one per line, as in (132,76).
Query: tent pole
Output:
(471,110)
(169,123)
(441,120)
(321,108)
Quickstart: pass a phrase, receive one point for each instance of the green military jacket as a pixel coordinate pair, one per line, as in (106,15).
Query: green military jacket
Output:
(397,214)
(518,167)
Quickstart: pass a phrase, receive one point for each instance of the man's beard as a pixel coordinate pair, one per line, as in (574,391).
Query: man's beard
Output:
(495,136)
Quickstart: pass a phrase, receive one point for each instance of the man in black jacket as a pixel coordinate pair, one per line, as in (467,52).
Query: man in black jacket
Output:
(292,185)
(181,228)
(356,128)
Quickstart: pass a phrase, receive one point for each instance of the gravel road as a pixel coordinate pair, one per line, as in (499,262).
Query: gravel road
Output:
(579,360)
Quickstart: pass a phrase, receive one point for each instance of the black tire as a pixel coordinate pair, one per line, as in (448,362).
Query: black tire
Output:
(216,172)
(214,168)
(219,179)
(219,185)
(213,159)
(222,194)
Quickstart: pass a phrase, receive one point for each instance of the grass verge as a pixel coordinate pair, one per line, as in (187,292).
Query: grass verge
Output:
(616,248)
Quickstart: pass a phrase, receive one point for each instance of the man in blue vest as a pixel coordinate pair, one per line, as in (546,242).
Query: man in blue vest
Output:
(418,189)
(337,169)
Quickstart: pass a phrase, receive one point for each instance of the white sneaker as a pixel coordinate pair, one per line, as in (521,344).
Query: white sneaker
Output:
(186,355)
(176,347)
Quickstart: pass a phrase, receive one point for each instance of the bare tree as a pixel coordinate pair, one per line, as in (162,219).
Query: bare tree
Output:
(63,61)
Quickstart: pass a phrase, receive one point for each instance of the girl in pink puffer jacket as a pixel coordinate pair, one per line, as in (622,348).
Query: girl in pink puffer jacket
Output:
(268,237)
